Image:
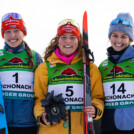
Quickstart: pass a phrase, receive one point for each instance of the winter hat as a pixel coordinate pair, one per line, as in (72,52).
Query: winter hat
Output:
(12,21)
(68,26)
(124,23)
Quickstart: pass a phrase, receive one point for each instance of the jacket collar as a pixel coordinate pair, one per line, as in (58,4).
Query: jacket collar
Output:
(53,58)
(14,50)
(128,54)
(117,57)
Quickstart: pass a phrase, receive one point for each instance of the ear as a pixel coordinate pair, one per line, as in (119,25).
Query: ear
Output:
(130,42)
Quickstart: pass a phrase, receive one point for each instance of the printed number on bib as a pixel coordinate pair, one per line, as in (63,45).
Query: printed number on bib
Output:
(72,93)
(16,77)
(69,91)
(118,94)
(118,88)
(121,88)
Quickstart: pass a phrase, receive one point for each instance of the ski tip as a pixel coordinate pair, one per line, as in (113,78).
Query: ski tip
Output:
(85,21)
(85,13)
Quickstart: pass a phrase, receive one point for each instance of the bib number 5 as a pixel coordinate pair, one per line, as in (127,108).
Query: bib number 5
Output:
(69,91)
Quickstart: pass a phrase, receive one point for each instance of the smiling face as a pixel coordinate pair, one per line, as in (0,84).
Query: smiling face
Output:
(68,44)
(119,40)
(13,37)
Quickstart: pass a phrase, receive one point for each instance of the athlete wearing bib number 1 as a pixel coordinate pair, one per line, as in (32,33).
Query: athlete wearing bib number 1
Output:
(17,66)
(62,72)
(118,78)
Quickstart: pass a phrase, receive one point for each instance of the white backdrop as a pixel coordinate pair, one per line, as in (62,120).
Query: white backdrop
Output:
(42,17)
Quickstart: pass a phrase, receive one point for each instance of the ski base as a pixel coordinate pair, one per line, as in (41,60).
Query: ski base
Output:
(3,123)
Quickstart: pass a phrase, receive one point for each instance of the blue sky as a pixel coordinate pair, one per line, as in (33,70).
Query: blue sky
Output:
(42,17)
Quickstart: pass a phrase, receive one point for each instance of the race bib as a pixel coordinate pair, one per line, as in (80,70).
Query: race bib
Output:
(17,84)
(72,94)
(119,94)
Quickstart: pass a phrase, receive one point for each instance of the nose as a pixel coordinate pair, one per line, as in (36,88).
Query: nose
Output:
(118,40)
(68,40)
(12,34)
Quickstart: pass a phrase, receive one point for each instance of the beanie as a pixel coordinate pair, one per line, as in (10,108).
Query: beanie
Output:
(68,26)
(124,23)
(12,21)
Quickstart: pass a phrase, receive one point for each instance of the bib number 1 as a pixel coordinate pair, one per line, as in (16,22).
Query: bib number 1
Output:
(16,77)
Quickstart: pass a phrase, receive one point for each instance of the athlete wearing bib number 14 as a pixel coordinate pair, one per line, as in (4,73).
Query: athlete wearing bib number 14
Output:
(62,72)
(118,78)
(17,66)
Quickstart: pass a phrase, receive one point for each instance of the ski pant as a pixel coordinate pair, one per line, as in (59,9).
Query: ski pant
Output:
(22,130)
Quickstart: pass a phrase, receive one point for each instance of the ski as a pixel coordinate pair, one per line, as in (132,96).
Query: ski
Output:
(88,122)
(3,123)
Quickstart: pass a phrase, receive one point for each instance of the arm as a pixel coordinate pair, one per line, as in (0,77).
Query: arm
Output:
(38,58)
(40,88)
(97,93)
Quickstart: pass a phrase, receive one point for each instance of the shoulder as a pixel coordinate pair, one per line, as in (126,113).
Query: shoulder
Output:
(37,57)
(103,63)
(36,53)
(2,52)
(42,66)
(93,68)
(95,71)
(41,69)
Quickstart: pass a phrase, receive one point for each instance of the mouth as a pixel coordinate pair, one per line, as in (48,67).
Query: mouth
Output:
(118,45)
(68,46)
(12,41)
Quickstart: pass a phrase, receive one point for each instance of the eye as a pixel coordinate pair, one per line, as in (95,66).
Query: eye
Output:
(16,30)
(63,37)
(114,35)
(8,31)
(124,37)
(73,37)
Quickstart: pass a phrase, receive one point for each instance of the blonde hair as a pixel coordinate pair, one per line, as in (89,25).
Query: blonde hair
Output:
(54,44)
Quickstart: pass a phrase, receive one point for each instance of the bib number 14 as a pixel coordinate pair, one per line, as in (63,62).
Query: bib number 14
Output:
(121,88)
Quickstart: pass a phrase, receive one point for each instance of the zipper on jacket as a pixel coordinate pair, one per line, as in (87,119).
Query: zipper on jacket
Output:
(69,121)
(114,71)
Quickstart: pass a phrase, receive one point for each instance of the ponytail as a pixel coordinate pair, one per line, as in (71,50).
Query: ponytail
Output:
(30,56)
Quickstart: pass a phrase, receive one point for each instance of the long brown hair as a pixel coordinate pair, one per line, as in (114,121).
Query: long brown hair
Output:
(30,56)
(54,44)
